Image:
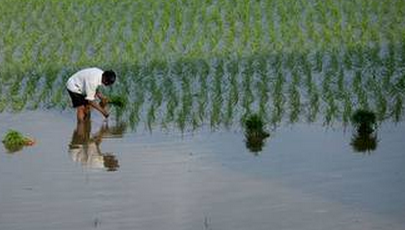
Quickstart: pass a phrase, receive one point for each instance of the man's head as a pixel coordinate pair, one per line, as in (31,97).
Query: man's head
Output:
(108,77)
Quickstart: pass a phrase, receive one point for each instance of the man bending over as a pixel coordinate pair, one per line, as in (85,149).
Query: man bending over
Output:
(83,90)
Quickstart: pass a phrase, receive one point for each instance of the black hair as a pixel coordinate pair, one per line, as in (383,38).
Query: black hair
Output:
(109,77)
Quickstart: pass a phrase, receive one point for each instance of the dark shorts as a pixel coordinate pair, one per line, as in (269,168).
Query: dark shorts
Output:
(77,99)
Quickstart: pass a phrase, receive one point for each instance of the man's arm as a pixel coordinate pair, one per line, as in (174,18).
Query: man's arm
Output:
(99,108)
(103,99)
(100,95)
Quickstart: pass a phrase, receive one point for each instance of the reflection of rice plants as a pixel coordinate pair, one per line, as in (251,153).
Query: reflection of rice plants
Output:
(364,143)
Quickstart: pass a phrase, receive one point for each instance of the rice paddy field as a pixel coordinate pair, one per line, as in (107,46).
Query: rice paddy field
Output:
(190,73)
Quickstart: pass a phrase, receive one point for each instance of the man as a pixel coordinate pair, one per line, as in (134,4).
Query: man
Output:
(83,90)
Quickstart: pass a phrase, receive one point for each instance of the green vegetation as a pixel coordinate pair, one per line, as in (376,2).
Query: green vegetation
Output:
(255,133)
(364,121)
(118,101)
(196,63)
(365,140)
(14,141)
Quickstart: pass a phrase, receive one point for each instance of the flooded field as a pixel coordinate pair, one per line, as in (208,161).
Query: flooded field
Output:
(191,75)
(307,176)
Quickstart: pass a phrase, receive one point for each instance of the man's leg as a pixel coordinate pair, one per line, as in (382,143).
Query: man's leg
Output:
(87,112)
(81,112)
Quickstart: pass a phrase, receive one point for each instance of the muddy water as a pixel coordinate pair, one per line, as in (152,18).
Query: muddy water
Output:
(108,177)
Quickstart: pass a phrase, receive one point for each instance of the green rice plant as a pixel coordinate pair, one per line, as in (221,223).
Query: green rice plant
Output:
(313,103)
(329,98)
(3,103)
(233,97)
(278,99)
(331,109)
(248,96)
(398,108)
(364,121)
(341,82)
(117,101)
(347,108)
(14,141)
(171,96)
(255,133)
(359,91)
(264,90)
(318,61)
(381,106)
(18,103)
(203,95)
(216,97)
(294,95)
(151,117)
(136,106)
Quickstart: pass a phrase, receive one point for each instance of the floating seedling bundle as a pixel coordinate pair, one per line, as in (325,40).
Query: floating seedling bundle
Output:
(14,141)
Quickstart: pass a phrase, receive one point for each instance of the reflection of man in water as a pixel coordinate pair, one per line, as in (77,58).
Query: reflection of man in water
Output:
(85,148)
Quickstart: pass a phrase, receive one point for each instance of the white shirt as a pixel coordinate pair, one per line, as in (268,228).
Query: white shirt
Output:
(85,82)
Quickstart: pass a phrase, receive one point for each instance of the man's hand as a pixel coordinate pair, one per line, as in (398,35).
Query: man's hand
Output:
(102,110)
(104,102)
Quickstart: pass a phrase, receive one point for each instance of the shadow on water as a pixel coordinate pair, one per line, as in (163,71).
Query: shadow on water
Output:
(85,147)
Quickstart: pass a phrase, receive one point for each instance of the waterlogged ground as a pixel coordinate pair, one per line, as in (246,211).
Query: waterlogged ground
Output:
(307,176)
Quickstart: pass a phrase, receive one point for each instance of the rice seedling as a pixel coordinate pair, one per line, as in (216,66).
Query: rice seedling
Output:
(295,101)
(398,108)
(255,133)
(313,103)
(278,99)
(14,141)
(118,101)
(364,121)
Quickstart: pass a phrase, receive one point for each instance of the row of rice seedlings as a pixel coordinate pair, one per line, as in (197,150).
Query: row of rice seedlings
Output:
(358,89)
(216,96)
(230,73)
(16,93)
(380,101)
(170,94)
(187,99)
(203,94)
(278,99)
(139,97)
(119,27)
(295,98)
(263,87)
(398,108)
(247,78)
(314,102)
(217,19)
(58,94)
(329,98)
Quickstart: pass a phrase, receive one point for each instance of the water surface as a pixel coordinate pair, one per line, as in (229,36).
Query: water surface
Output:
(307,176)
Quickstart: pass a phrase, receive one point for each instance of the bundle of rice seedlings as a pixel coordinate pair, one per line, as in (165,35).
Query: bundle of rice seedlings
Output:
(14,141)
